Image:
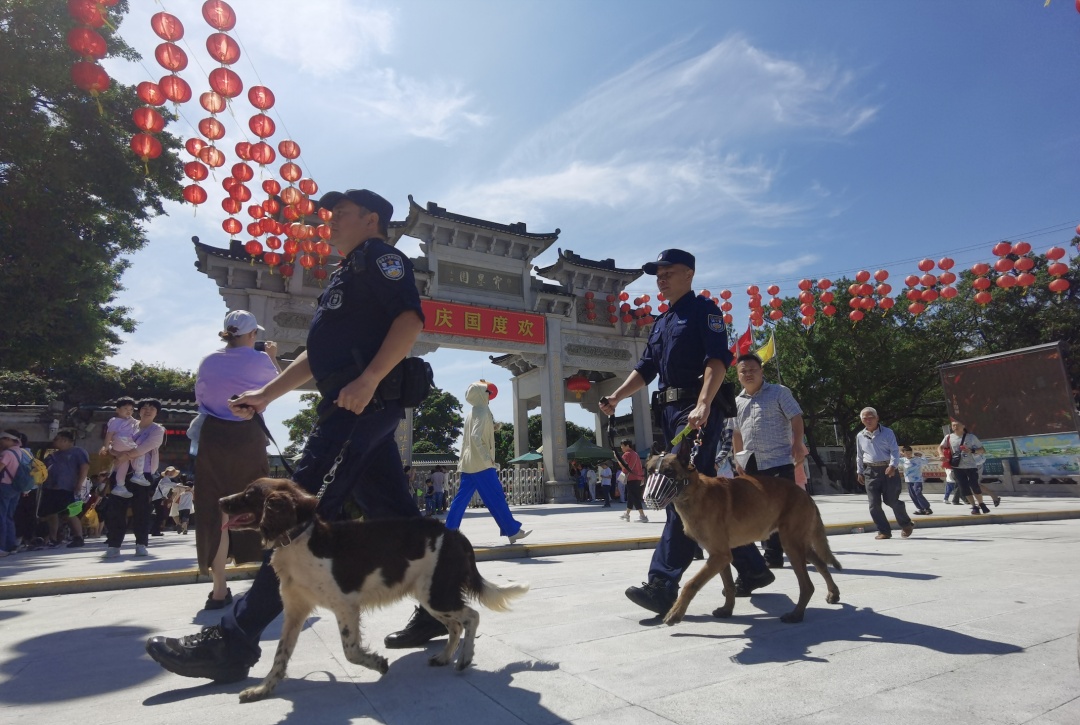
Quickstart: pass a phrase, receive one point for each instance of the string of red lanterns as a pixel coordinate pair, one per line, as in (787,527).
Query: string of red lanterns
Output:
(89,45)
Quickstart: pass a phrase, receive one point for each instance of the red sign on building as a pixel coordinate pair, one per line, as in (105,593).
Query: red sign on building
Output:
(448,318)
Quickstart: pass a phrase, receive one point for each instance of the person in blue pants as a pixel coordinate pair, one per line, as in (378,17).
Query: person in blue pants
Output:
(477,466)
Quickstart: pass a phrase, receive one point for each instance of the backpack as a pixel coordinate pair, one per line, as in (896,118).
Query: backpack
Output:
(30,473)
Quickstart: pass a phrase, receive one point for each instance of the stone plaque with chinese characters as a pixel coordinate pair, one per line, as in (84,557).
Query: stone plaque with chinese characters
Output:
(460,275)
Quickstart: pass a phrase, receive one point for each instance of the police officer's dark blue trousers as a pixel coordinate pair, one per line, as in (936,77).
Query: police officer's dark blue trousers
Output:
(675,551)
(774,552)
(371,473)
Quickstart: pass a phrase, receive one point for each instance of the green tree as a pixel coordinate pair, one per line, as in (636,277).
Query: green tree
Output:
(301,424)
(573,432)
(74,194)
(93,382)
(504,442)
(438,421)
(424,447)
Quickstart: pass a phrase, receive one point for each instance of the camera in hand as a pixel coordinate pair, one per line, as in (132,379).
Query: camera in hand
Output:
(260,345)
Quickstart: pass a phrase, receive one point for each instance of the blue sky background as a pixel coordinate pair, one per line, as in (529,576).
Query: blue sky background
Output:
(776,140)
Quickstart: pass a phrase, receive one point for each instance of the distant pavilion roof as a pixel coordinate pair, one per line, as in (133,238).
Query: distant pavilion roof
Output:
(517,228)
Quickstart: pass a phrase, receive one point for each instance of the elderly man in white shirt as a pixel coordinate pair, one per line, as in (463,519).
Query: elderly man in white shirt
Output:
(877,461)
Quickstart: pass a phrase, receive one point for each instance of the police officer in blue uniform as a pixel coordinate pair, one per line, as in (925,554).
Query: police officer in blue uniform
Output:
(688,350)
(367,320)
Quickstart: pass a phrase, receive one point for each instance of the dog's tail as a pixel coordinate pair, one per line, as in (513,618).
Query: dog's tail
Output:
(820,543)
(497,597)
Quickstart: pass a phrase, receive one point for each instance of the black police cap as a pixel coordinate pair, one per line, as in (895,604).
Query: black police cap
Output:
(667,258)
(361,197)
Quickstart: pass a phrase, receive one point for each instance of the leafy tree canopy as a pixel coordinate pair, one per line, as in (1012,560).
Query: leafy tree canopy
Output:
(74,194)
(438,421)
(94,382)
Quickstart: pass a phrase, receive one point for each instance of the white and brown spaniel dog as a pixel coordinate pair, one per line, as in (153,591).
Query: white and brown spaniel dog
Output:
(350,566)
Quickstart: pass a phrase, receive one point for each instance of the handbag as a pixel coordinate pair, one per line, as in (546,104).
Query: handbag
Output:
(954,456)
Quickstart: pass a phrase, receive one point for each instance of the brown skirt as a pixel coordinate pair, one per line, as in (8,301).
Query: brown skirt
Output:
(232,454)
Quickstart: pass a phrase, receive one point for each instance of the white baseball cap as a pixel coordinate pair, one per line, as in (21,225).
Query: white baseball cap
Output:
(243,322)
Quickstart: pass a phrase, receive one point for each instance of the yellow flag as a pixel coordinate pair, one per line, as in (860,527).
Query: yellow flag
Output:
(767,351)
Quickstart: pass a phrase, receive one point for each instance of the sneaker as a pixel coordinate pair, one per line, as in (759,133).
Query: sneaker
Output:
(111,553)
(140,550)
(76,543)
(206,654)
(927,512)
(985,508)
(883,536)
(975,510)
(743,587)
(521,534)
(997,500)
(212,603)
(121,491)
(139,480)
(52,544)
(656,596)
(643,519)
(625,517)
(421,629)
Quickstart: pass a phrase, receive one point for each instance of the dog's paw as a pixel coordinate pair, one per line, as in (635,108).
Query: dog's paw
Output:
(672,619)
(438,661)
(833,597)
(382,665)
(252,694)
(791,618)
(462,663)
(722,612)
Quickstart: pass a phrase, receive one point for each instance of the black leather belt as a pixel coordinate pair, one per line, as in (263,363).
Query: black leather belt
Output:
(886,464)
(674,395)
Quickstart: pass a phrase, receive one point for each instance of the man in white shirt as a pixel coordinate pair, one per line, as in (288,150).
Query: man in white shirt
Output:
(877,460)
(605,483)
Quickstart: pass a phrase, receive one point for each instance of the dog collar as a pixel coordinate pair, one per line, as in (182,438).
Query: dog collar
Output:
(292,535)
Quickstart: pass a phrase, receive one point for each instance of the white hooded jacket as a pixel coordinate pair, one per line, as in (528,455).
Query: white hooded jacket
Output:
(478,443)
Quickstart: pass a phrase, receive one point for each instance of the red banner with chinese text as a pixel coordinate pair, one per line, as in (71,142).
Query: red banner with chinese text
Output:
(449,318)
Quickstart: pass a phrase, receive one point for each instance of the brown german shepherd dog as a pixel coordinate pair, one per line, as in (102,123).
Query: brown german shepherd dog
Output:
(722,513)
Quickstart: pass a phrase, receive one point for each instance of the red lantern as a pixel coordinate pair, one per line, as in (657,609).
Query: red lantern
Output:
(862,276)
(171,57)
(165,26)
(757,321)
(773,290)
(1003,265)
(254,229)
(926,265)
(271,187)
(267,225)
(929,295)
(948,292)
(290,195)
(90,77)
(273,243)
(287,271)
(1055,253)
(828,310)
(1021,248)
(866,290)
(253,247)
(663,307)
(255,211)
(728,319)
(272,259)
(827,297)
(725,294)
(196,171)
(1025,279)
(946,278)
(884,289)
(240,192)
(262,153)
(150,93)
(807,321)
(983,297)
(980,268)
(175,88)
(1001,249)
(242,172)
(928,280)
(291,246)
(624,296)
(262,125)
(911,280)
(219,15)
(87,42)
(87,12)
(914,295)
(981,283)
(308,186)
(824,284)
(261,97)
(243,151)
(886,303)
(726,307)
(212,157)
(1006,281)
(291,213)
(806,310)
(289,149)
(229,182)
(1024,264)
(1059,285)
(291,173)
(775,315)
(194,194)
(855,303)
(145,146)
(881,275)
(212,128)
(945,263)
(322,249)
(916,308)
(855,315)
(222,48)
(805,284)
(147,119)
(752,290)
(271,206)
(194,146)
(307,261)
(213,102)
(232,226)
(1057,269)
(866,303)
(306,206)
(226,82)
(776,303)
(230,205)
(319,273)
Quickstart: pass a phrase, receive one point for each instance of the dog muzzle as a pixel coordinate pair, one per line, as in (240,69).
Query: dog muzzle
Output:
(660,490)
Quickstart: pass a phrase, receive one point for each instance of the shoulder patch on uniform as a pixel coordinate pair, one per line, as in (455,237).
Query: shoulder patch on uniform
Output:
(391,266)
(716,323)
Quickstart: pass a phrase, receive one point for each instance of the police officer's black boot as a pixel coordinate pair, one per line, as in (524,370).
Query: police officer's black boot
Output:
(657,596)
(420,630)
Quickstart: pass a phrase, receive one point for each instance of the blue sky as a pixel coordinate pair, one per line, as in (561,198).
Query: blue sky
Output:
(775,140)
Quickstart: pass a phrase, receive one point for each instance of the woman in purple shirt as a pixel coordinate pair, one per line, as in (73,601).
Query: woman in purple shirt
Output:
(231,451)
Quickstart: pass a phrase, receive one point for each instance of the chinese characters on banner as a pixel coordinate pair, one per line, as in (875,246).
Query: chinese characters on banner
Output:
(449,318)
